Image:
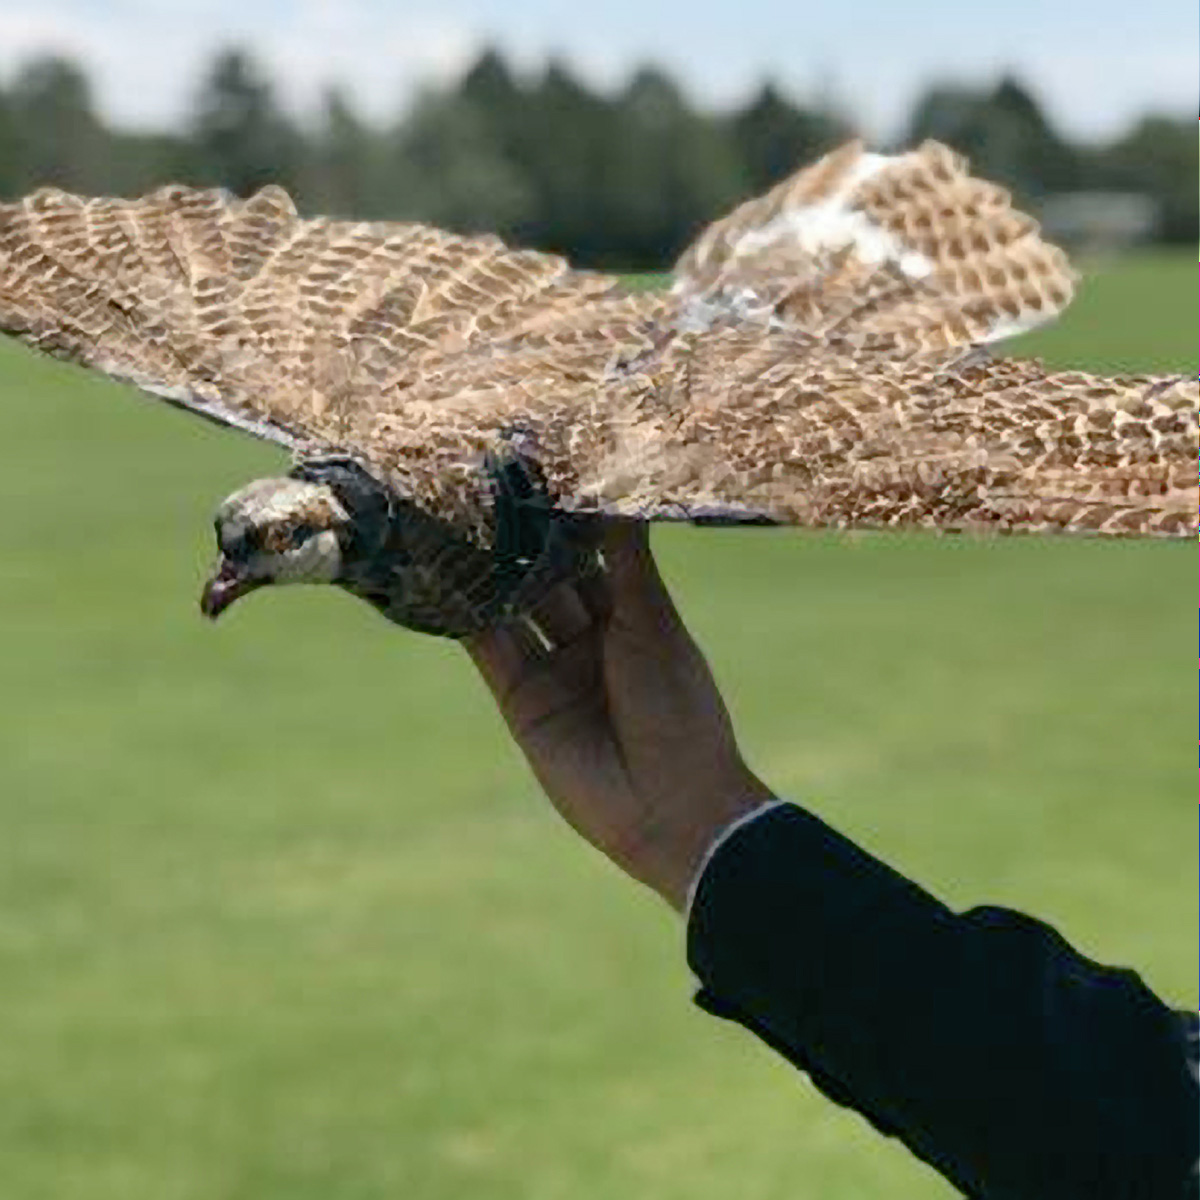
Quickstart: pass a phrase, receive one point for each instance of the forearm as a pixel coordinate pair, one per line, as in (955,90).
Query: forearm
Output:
(1013,1065)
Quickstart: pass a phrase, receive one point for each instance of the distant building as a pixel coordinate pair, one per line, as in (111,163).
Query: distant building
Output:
(1100,220)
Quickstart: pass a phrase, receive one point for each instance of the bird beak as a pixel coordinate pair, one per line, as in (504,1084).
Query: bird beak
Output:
(225,585)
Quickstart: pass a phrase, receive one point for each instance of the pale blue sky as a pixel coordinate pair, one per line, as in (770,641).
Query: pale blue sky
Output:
(1095,64)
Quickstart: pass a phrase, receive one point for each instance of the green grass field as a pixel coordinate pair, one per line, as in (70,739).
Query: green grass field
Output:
(282,917)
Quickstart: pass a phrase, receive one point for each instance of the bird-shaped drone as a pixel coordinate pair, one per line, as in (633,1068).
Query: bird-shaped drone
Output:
(460,413)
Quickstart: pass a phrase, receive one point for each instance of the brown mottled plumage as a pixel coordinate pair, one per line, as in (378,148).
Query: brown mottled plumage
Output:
(909,248)
(459,407)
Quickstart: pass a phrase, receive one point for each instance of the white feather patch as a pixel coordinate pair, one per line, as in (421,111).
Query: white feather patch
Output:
(834,224)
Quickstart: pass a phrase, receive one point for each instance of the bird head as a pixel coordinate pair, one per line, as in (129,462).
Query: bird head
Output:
(276,531)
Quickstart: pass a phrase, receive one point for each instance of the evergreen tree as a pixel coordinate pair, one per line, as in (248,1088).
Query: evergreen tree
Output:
(775,138)
(942,112)
(490,86)
(239,137)
(343,168)
(447,169)
(670,171)
(1004,133)
(141,162)
(560,149)
(507,110)
(11,152)
(60,140)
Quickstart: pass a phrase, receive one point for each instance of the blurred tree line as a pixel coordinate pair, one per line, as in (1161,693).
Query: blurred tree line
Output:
(620,180)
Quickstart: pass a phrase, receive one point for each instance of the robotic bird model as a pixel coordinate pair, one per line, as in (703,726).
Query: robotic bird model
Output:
(459,413)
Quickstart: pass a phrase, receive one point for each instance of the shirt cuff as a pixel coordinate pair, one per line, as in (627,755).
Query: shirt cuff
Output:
(722,837)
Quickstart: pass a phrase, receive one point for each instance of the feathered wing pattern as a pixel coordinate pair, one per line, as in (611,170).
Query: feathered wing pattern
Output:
(907,248)
(244,313)
(844,439)
(735,424)
(790,377)
(140,289)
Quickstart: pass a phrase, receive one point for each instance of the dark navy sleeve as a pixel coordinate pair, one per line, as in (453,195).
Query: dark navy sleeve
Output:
(1013,1065)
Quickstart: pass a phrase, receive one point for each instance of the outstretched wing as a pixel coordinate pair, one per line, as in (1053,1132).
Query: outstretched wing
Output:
(734,424)
(421,352)
(908,247)
(242,312)
(819,435)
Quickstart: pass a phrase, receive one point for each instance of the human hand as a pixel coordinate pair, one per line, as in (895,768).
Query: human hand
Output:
(621,719)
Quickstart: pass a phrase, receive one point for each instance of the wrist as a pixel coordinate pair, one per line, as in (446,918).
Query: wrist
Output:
(668,852)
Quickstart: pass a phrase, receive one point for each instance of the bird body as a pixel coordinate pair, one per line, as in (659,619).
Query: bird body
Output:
(460,412)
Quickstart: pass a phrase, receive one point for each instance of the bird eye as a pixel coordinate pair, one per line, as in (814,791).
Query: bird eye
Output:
(234,540)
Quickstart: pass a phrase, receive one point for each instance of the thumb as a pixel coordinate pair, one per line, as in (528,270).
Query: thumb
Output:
(634,579)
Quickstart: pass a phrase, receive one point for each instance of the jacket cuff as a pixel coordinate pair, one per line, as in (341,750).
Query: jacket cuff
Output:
(785,873)
(765,807)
